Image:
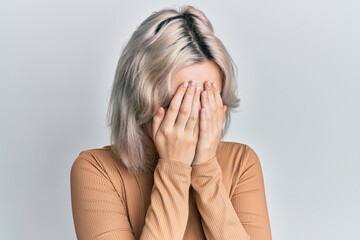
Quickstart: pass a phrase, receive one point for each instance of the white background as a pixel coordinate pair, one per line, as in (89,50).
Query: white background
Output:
(299,83)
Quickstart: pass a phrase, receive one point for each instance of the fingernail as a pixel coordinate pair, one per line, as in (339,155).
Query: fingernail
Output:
(208,84)
(214,85)
(185,84)
(193,83)
(198,90)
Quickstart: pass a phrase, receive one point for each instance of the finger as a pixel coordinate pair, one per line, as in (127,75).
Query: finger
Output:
(205,104)
(225,111)
(196,128)
(219,106)
(218,99)
(185,108)
(203,124)
(211,95)
(172,111)
(194,115)
(212,103)
(156,122)
(222,116)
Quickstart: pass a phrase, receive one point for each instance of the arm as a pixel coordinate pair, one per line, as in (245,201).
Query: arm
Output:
(244,215)
(249,200)
(100,212)
(218,216)
(221,216)
(167,214)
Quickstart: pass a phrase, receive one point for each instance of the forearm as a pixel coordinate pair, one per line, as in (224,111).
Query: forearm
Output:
(220,220)
(167,214)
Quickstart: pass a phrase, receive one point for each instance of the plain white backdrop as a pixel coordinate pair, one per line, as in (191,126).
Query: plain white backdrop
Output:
(299,83)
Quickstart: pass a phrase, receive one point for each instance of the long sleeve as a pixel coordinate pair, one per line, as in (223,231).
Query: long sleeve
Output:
(167,214)
(100,212)
(243,216)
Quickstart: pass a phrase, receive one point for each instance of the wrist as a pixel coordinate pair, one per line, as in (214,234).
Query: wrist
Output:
(201,160)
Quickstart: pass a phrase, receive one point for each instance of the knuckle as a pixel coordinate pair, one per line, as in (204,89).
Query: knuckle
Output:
(184,111)
(203,129)
(188,141)
(177,133)
(192,118)
(166,132)
(172,108)
(180,94)
(190,92)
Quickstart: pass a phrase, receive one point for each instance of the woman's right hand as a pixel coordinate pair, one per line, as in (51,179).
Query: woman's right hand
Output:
(175,133)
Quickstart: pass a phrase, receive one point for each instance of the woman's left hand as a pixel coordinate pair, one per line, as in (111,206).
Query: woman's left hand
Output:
(212,115)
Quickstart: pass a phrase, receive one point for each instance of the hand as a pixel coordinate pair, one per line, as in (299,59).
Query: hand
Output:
(175,133)
(212,115)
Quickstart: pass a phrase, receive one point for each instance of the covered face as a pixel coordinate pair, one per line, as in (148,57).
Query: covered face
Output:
(200,73)
(168,48)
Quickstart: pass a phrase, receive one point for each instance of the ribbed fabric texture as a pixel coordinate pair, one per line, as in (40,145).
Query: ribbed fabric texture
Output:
(223,198)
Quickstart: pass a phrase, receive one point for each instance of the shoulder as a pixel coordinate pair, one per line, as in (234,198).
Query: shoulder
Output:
(98,164)
(237,152)
(236,158)
(98,158)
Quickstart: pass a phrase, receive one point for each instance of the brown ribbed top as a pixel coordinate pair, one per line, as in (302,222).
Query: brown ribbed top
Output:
(223,198)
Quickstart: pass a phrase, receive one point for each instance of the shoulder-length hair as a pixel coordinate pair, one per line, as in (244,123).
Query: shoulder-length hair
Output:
(165,42)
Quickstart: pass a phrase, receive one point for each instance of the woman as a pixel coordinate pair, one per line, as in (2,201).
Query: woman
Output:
(166,174)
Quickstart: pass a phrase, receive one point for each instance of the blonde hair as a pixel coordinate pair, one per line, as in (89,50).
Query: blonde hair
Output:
(165,42)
